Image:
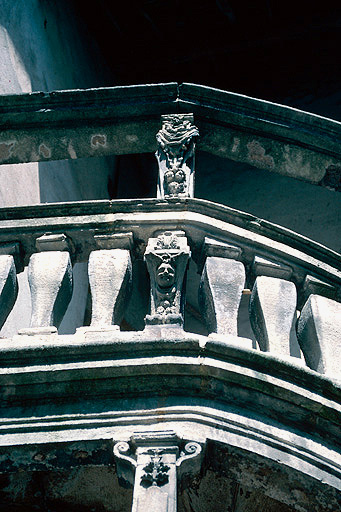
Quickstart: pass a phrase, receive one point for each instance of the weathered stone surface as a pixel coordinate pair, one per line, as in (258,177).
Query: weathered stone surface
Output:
(8,286)
(110,274)
(315,286)
(167,258)
(113,121)
(221,287)
(156,458)
(229,479)
(272,313)
(175,156)
(292,146)
(50,279)
(214,247)
(265,267)
(53,242)
(101,387)
(319,335)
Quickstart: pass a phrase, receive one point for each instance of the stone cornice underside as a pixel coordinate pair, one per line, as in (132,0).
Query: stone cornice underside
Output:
(99,385)
(122,120)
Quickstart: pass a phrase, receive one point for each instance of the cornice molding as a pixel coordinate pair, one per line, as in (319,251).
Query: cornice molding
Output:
(121,120)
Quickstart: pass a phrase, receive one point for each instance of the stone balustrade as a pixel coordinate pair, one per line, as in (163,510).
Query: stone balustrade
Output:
(154,265)
(293,284)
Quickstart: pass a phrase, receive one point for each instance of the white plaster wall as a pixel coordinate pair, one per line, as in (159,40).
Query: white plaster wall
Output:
(44,48)
(310,210)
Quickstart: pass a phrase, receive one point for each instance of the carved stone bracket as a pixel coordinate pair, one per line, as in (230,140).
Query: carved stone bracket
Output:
(175,155)
(156,459)
(167,257)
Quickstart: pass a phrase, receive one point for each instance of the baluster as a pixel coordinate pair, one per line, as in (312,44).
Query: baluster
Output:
(8,286)
(319,335)
(272,313)
(220,292)
(50,280)
(314,286)
(221,286)
(110,276)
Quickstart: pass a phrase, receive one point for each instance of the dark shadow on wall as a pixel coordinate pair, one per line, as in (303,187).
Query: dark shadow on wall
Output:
(307,209)
(135,176)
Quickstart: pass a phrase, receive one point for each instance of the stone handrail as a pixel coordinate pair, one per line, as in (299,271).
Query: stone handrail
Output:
(234,252)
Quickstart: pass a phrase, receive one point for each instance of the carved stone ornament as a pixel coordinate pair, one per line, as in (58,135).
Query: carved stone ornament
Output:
(175,155)
(157,461)
(166,257)
(156,471)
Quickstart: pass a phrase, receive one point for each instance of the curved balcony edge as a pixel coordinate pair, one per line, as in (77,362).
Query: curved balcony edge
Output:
(25,221)
(99,385)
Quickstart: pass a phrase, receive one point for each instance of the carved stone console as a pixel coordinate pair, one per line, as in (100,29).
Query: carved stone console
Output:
(156,459)
(166,257)
(175,155)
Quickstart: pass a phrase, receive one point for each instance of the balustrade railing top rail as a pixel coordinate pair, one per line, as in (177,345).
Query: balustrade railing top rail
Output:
(21,220)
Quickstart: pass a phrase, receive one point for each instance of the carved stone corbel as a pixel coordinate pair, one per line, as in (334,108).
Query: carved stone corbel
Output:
(156,458)
(167,257)
(175,155)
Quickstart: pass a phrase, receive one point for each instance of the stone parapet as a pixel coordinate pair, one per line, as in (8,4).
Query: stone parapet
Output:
(233,252)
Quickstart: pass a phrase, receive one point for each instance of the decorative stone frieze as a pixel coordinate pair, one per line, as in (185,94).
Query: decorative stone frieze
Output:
(167,257)
(175,155)
(156,459)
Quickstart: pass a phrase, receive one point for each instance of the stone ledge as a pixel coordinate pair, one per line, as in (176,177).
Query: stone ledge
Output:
(123,120)
(70,370)
(95,344)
